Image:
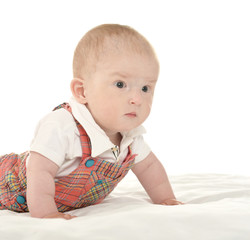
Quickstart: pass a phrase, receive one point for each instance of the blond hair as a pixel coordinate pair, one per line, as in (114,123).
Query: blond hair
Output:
(106,39)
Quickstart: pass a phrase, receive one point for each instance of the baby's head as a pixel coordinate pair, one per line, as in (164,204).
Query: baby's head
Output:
(105,40)
(115,73)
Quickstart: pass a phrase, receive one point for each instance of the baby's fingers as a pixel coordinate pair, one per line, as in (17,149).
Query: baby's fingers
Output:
(172,202)
(60,215)
(68,216)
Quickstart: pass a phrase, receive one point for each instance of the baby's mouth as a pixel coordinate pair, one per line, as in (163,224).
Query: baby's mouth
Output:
(131,114)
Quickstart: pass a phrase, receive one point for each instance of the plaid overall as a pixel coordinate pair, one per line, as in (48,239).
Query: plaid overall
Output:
(89,184)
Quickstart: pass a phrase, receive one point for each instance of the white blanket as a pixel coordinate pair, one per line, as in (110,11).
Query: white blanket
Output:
(217,207)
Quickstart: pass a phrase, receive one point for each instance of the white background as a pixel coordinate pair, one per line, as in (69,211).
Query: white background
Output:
(200,120)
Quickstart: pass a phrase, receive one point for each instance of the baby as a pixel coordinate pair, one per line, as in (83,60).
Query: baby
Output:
(84,148)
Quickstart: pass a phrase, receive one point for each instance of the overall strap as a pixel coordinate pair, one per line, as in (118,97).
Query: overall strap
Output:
(84,138)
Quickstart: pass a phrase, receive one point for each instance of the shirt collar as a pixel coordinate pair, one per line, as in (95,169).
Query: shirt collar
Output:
(100,142)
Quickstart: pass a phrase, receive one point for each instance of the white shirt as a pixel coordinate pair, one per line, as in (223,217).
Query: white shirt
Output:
(58,139)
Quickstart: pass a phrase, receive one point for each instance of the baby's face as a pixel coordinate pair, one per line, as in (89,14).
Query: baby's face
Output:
(119,93)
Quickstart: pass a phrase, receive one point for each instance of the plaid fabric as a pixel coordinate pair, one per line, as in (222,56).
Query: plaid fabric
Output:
(13,181)
(89,184)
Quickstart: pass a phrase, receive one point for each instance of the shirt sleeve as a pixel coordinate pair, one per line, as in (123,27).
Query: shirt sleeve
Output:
(50,140)
(141,148)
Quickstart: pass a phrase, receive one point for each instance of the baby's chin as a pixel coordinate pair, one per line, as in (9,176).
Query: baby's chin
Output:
(128,129)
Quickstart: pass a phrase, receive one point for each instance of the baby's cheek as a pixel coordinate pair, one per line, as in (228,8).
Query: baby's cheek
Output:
(147,109)
(106,111)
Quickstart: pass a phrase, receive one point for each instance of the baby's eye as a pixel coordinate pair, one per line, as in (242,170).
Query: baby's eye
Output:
(120,84)
(145,88)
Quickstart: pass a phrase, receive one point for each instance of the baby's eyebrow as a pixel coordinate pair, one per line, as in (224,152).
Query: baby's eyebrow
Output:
(152,81)
(126,75)
(120,74)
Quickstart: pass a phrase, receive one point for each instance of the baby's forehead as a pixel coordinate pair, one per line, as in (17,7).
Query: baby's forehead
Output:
(122,44)
(128,65)
(113,50)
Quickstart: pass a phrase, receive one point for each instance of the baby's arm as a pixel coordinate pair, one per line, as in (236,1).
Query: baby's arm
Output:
(153,178)
(41,187)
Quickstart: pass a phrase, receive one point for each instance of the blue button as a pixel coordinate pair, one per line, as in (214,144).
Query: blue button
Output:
(20,199)
(90,163)
(99,182)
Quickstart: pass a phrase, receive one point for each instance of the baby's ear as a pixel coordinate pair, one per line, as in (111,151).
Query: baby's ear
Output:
(77,89)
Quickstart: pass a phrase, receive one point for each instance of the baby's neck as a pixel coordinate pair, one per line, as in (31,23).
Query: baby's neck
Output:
(116,139)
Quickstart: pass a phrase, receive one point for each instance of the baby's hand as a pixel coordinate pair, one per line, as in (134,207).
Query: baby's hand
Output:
(60,215)
(171,202)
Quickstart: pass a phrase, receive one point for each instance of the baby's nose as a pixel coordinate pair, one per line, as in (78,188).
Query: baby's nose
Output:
(135,98)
